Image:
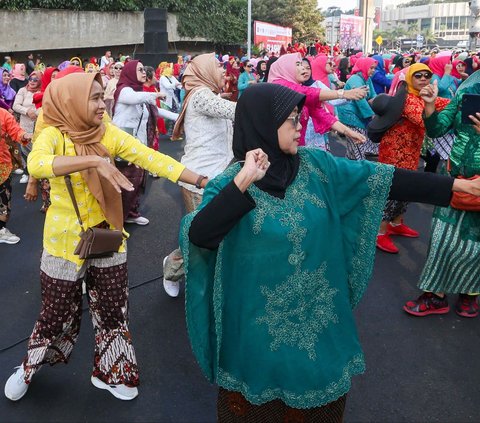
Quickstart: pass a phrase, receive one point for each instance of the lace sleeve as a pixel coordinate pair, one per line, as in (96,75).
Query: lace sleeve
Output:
(207,103)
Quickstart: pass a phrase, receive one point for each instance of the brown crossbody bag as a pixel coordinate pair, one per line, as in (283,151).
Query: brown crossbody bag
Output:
(94,242)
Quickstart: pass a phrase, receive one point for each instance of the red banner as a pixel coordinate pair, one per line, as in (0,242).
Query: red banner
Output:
(271,37)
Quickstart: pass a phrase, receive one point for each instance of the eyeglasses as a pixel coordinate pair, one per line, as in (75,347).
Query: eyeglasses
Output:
(295,119)
(33,79)
(407,60)
(141,70)
(420,75)
(249,66)
(118,67)
(75,63)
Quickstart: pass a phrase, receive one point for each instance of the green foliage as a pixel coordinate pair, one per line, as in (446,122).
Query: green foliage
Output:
(220,21)
(301,15)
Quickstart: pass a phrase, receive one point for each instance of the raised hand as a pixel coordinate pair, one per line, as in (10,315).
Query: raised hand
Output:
(429,93)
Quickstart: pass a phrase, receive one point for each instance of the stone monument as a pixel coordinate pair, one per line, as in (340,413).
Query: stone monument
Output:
(155,39)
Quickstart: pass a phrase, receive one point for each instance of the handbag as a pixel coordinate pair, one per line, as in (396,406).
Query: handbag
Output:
(463,200)
(94,242)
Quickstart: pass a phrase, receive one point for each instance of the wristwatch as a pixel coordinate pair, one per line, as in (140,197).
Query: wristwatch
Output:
(199,181)
(340,93)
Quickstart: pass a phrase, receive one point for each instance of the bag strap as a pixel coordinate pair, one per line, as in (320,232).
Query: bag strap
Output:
(140,121)
(68,183)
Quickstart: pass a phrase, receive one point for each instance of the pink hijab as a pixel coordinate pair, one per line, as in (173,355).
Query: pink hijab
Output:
(285,68)
(399,76)
(437,65)
(18,71)
(363,65)
(319,72)
(454,69)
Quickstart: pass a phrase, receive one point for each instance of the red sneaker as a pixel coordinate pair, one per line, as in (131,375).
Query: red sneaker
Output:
(427,303)
(402,230)
(384,243)
(467,305)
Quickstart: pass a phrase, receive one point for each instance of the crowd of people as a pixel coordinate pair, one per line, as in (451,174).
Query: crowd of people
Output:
(260,185)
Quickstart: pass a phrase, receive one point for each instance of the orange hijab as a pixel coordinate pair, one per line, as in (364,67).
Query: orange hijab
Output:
(201,72)
(65,106)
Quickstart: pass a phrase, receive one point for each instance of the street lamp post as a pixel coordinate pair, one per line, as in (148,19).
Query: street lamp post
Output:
(249,30)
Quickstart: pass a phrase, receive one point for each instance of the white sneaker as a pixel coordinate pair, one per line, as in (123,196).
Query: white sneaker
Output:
(16,388)
(7,237)
(24,179)
(18,171)
(171,288)
(140,220)
(120,391)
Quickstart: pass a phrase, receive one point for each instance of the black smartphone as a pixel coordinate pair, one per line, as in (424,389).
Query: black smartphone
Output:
(470,106)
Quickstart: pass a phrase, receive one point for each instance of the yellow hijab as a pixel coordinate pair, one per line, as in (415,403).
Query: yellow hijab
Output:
(65,106)
(416,67)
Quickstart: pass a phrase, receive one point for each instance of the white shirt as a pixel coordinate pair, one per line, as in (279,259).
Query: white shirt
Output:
(209,134)
(130,108)
(167,86)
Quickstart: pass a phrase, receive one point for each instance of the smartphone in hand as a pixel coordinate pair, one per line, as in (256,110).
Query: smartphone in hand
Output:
(470,105)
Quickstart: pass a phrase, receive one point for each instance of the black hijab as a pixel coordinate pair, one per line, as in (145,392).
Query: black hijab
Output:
(261,73)
(260,111)
(270,62)
(310,81)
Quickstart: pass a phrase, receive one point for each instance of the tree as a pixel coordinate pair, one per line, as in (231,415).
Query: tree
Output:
(301,15)
(429,37)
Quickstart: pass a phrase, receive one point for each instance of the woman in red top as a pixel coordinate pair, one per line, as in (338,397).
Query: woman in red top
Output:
(400,147)
(9,127)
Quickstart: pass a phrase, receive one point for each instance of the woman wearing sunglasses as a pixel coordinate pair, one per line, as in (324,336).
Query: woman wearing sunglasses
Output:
(246,78)
(400,147)
(117,68)
(277,256)
(24,106)
(131,112)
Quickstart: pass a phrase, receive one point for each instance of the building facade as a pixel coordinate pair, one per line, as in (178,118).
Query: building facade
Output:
(449,22)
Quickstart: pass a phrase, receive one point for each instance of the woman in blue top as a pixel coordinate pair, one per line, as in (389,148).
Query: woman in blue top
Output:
(246,78)
(356,114)
(381,81)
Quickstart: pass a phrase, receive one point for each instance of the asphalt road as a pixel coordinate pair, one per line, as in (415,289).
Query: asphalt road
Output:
(418,369)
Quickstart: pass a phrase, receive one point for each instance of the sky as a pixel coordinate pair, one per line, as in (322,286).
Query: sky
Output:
(344,4)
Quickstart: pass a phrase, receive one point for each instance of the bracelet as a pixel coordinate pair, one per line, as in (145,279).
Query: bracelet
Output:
(199,181)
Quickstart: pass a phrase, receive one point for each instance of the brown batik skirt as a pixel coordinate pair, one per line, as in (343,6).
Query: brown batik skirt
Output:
(232,407)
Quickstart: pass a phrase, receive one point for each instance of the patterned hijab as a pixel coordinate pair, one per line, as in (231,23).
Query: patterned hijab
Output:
(65,106)
(416,67)
(201,72)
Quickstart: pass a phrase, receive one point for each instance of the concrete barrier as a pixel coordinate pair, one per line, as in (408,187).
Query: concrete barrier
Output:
(42,29)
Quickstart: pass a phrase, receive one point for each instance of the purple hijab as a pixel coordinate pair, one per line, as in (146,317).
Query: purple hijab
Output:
(6,92)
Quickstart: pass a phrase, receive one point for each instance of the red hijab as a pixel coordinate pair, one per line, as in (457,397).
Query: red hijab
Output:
(437,65)
(128,78)
(46,79)
(454,72)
